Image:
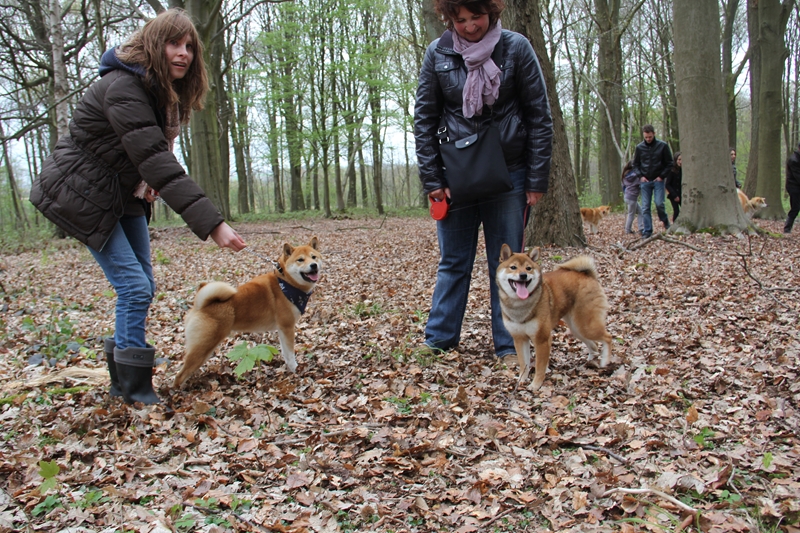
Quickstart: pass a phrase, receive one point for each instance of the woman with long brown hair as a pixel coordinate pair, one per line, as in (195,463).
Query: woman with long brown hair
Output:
(98,183)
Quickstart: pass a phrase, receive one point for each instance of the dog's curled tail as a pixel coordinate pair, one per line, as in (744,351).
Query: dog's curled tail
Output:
(216,291)
(582,263)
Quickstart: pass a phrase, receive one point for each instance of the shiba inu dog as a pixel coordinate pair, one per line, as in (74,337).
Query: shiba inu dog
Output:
(593,215)
(753,205)
(269,302)
(533,303)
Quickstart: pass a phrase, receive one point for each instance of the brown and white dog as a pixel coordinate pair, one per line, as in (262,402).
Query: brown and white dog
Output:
(751,206)
(593,215)
(533,303)
(269,302)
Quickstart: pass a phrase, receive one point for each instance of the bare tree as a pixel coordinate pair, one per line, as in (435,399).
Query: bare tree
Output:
(773,16)
(557,217)
(611,24)
(709,196)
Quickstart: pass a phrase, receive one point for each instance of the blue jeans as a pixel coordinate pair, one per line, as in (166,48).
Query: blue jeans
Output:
(502,219)
(125,260)
(652,191)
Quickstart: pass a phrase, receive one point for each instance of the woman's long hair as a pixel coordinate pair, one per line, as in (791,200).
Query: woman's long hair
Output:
(448,9)
(146,48)
(675,168)
(627,168)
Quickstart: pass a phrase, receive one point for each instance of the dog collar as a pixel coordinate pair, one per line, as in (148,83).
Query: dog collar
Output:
(295,295)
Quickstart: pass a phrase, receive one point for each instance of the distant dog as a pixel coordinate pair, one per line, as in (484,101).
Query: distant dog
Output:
(270,302)
(533,303)
(751,206)
(593,215)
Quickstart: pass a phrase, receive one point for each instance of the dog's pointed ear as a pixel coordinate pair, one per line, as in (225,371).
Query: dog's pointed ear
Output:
(505,252)
(287,249)
(534,254)
(314,243)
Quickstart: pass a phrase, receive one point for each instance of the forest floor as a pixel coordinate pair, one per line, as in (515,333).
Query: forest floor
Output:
(694,426)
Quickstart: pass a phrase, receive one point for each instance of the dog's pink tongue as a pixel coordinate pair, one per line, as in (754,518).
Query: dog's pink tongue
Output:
(522,290)
(312,277)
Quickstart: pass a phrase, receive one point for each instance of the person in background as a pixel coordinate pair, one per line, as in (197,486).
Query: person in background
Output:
(98,183)
(673,183)
(630,188)
(733,167)
(652,160)
(463,87)
(792,188)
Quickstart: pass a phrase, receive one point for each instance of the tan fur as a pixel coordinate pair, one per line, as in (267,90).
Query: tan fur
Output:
(571,292)
(256,306)
(753,205)
(593,215)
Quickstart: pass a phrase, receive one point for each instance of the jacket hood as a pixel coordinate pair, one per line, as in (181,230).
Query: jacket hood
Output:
(110,62)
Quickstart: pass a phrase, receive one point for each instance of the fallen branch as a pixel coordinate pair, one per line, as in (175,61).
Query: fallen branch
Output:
(364,227)
(743,257)
(606,451)
(658,493)
(636,245)
(686,244)
(498,517)
(322,434)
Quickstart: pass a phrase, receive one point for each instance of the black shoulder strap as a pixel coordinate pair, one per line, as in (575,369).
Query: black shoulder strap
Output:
(497,53)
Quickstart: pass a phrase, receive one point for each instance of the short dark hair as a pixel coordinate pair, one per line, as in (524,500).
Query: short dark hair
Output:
(448,9)
(648,128)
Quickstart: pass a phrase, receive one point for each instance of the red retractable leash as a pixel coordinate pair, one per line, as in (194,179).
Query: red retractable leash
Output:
(524,225)
(439,208)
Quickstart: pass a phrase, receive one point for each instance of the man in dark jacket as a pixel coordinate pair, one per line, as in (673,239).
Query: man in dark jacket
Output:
(652,160)
(793,188)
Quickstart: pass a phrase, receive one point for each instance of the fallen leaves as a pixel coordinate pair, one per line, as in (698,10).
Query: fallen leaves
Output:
(694,425)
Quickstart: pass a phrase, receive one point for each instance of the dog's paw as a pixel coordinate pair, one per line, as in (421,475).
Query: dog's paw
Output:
(536,384)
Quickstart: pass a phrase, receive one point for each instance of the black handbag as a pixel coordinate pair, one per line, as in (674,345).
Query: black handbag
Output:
(475,168)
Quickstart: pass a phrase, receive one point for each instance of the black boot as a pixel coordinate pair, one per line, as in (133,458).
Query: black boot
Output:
(787,228)
(108,349)
(135,371)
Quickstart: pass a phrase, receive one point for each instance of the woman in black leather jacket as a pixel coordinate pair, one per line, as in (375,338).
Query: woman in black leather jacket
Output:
(504,84)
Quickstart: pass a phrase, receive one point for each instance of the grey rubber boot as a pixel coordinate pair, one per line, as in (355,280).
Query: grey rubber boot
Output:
(108,349)
(135,372)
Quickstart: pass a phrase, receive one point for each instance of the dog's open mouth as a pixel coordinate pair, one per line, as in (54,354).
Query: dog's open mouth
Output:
(311,277)
(520,287)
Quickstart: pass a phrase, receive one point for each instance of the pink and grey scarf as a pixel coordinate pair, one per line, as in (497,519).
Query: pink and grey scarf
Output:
(483,77)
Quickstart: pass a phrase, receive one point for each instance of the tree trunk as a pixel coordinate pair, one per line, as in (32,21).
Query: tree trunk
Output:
(433,25)
(556,217)
(772,19)
(60,82)
(207,162)
(19,212)
(609,70)
(729,19)
(751,180)
(709,196)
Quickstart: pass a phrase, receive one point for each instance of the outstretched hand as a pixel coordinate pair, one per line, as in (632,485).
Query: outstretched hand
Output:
(226,237)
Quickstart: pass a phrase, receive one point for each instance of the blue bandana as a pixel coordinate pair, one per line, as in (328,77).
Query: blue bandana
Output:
(295,295)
